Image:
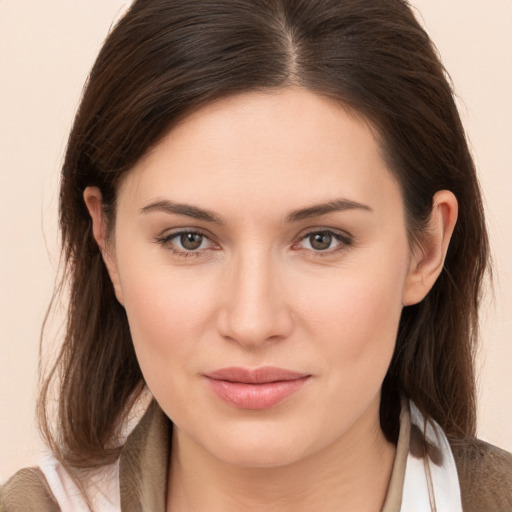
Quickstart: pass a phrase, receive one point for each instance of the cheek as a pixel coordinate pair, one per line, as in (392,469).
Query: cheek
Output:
(352,321)
(167,311)
(165,306)
(356,313)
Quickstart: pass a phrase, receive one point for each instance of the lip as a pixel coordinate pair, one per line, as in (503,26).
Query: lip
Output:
(259,388)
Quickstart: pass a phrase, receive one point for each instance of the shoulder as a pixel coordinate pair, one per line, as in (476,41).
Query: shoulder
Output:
(485,475)
(27,491)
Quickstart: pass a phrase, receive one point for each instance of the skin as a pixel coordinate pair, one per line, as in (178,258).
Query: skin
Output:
(259,290)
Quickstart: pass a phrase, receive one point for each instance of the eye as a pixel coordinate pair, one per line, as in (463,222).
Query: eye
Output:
(191,241)
(324,241)
(186,243)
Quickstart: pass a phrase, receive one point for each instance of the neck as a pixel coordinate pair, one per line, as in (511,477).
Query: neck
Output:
(352,473)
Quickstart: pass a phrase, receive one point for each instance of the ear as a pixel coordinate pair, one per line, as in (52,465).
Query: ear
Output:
(93,202)
(428,257)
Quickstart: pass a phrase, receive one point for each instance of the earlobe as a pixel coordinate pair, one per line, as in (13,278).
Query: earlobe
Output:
(93,201)
(427,260)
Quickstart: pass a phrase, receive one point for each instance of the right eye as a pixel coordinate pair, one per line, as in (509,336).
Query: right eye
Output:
(190,241)
(186,243)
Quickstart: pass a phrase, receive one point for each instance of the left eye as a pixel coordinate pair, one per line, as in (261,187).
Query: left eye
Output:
(323,241)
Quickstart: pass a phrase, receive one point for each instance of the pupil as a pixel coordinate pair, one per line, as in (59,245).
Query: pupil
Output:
(321,241)
(191,241)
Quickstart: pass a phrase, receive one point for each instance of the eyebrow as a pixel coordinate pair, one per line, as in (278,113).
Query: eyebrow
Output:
(188,210)
(317,210)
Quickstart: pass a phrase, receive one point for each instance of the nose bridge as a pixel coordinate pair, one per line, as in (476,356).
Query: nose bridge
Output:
(255,308)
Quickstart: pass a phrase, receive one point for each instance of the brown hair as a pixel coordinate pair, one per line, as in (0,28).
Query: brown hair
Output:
(166,58)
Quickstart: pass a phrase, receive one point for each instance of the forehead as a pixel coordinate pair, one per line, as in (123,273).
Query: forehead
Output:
(265,146)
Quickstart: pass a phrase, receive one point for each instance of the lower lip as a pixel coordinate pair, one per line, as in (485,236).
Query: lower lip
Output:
(256,396)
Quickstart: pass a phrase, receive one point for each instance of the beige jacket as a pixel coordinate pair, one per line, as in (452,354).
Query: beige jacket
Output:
(485,473)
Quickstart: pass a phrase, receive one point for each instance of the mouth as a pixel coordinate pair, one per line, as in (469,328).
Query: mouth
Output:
(259,388)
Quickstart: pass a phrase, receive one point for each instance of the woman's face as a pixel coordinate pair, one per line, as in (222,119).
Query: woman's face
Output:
(262,257)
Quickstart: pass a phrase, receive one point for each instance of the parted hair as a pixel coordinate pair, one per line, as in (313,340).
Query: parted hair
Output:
(167,58)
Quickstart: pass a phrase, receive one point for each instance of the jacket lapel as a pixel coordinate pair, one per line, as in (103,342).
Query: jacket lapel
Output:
(144,463)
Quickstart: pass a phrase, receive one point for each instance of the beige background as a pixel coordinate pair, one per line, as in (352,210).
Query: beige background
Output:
(46,50)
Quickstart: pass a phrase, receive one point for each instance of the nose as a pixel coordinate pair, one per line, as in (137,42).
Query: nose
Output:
(254,310)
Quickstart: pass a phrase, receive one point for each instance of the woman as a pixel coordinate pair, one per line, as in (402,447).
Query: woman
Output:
(272,225)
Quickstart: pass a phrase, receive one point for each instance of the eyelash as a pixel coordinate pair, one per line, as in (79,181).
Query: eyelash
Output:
(344,239)
(165,240)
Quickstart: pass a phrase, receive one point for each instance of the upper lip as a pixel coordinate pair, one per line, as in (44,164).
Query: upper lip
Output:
(260,375)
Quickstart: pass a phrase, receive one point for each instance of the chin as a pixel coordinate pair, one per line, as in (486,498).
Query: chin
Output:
(257,449)
(269,457)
